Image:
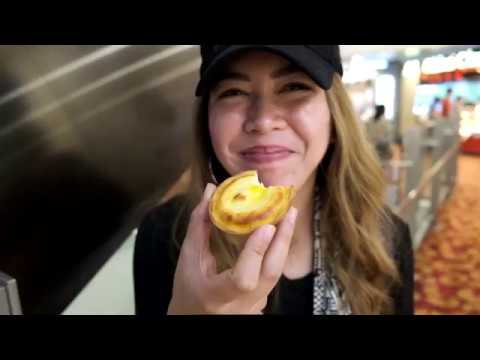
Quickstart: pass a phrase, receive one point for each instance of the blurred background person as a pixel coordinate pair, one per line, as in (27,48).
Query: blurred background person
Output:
(447,104)
(380,134)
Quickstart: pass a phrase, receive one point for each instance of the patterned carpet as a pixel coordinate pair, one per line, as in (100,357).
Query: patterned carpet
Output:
(447,279)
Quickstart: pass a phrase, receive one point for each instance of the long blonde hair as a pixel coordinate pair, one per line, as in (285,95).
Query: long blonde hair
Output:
(354,216)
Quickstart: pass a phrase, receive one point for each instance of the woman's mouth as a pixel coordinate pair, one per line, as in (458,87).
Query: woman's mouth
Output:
(266,154)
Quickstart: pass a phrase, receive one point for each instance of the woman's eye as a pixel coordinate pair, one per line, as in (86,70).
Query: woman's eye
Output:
(295,87)
(231,93)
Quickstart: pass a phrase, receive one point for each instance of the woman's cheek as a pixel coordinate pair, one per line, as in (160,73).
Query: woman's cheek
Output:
(226,124)
(216,135)
(222,134)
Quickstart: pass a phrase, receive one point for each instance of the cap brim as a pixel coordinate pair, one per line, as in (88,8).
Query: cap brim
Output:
(305,58)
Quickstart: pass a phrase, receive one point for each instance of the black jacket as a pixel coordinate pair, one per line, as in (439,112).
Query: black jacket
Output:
(154,268)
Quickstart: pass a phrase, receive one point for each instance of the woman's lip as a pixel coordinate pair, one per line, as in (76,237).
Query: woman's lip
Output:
(260,158)
(268,149)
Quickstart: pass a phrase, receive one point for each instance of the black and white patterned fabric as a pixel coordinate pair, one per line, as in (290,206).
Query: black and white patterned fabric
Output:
(328,298)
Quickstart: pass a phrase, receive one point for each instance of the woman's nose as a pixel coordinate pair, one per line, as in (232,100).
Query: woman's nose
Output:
(264,116)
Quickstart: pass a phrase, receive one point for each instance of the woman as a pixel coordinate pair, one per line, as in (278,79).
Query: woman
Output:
(283,111)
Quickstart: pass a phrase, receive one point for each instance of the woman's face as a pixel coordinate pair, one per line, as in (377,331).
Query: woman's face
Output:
(267,115)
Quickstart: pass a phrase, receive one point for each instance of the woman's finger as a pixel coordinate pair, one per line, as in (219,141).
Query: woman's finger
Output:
(244,277)
(277,254)
(247,270)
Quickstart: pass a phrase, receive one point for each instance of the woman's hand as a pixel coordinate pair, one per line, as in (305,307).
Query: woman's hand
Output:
(199,289)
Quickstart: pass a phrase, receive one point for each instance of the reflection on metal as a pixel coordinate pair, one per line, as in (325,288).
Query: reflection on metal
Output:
(9,299)
(62,71)
(127,96)
(430,175)
(96,85)
(162,80)
(428,179)
(395,170)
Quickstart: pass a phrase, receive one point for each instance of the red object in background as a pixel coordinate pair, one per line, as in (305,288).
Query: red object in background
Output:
(472,145)
(439,78)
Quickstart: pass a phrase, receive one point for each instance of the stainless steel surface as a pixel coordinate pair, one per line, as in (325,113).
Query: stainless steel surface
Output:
(4,304)
(9,299)
(88,134)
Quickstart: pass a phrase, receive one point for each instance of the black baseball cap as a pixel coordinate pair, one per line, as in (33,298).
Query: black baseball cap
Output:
(320,62)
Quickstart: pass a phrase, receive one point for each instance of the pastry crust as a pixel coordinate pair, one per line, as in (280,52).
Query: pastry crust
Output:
(241,204)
